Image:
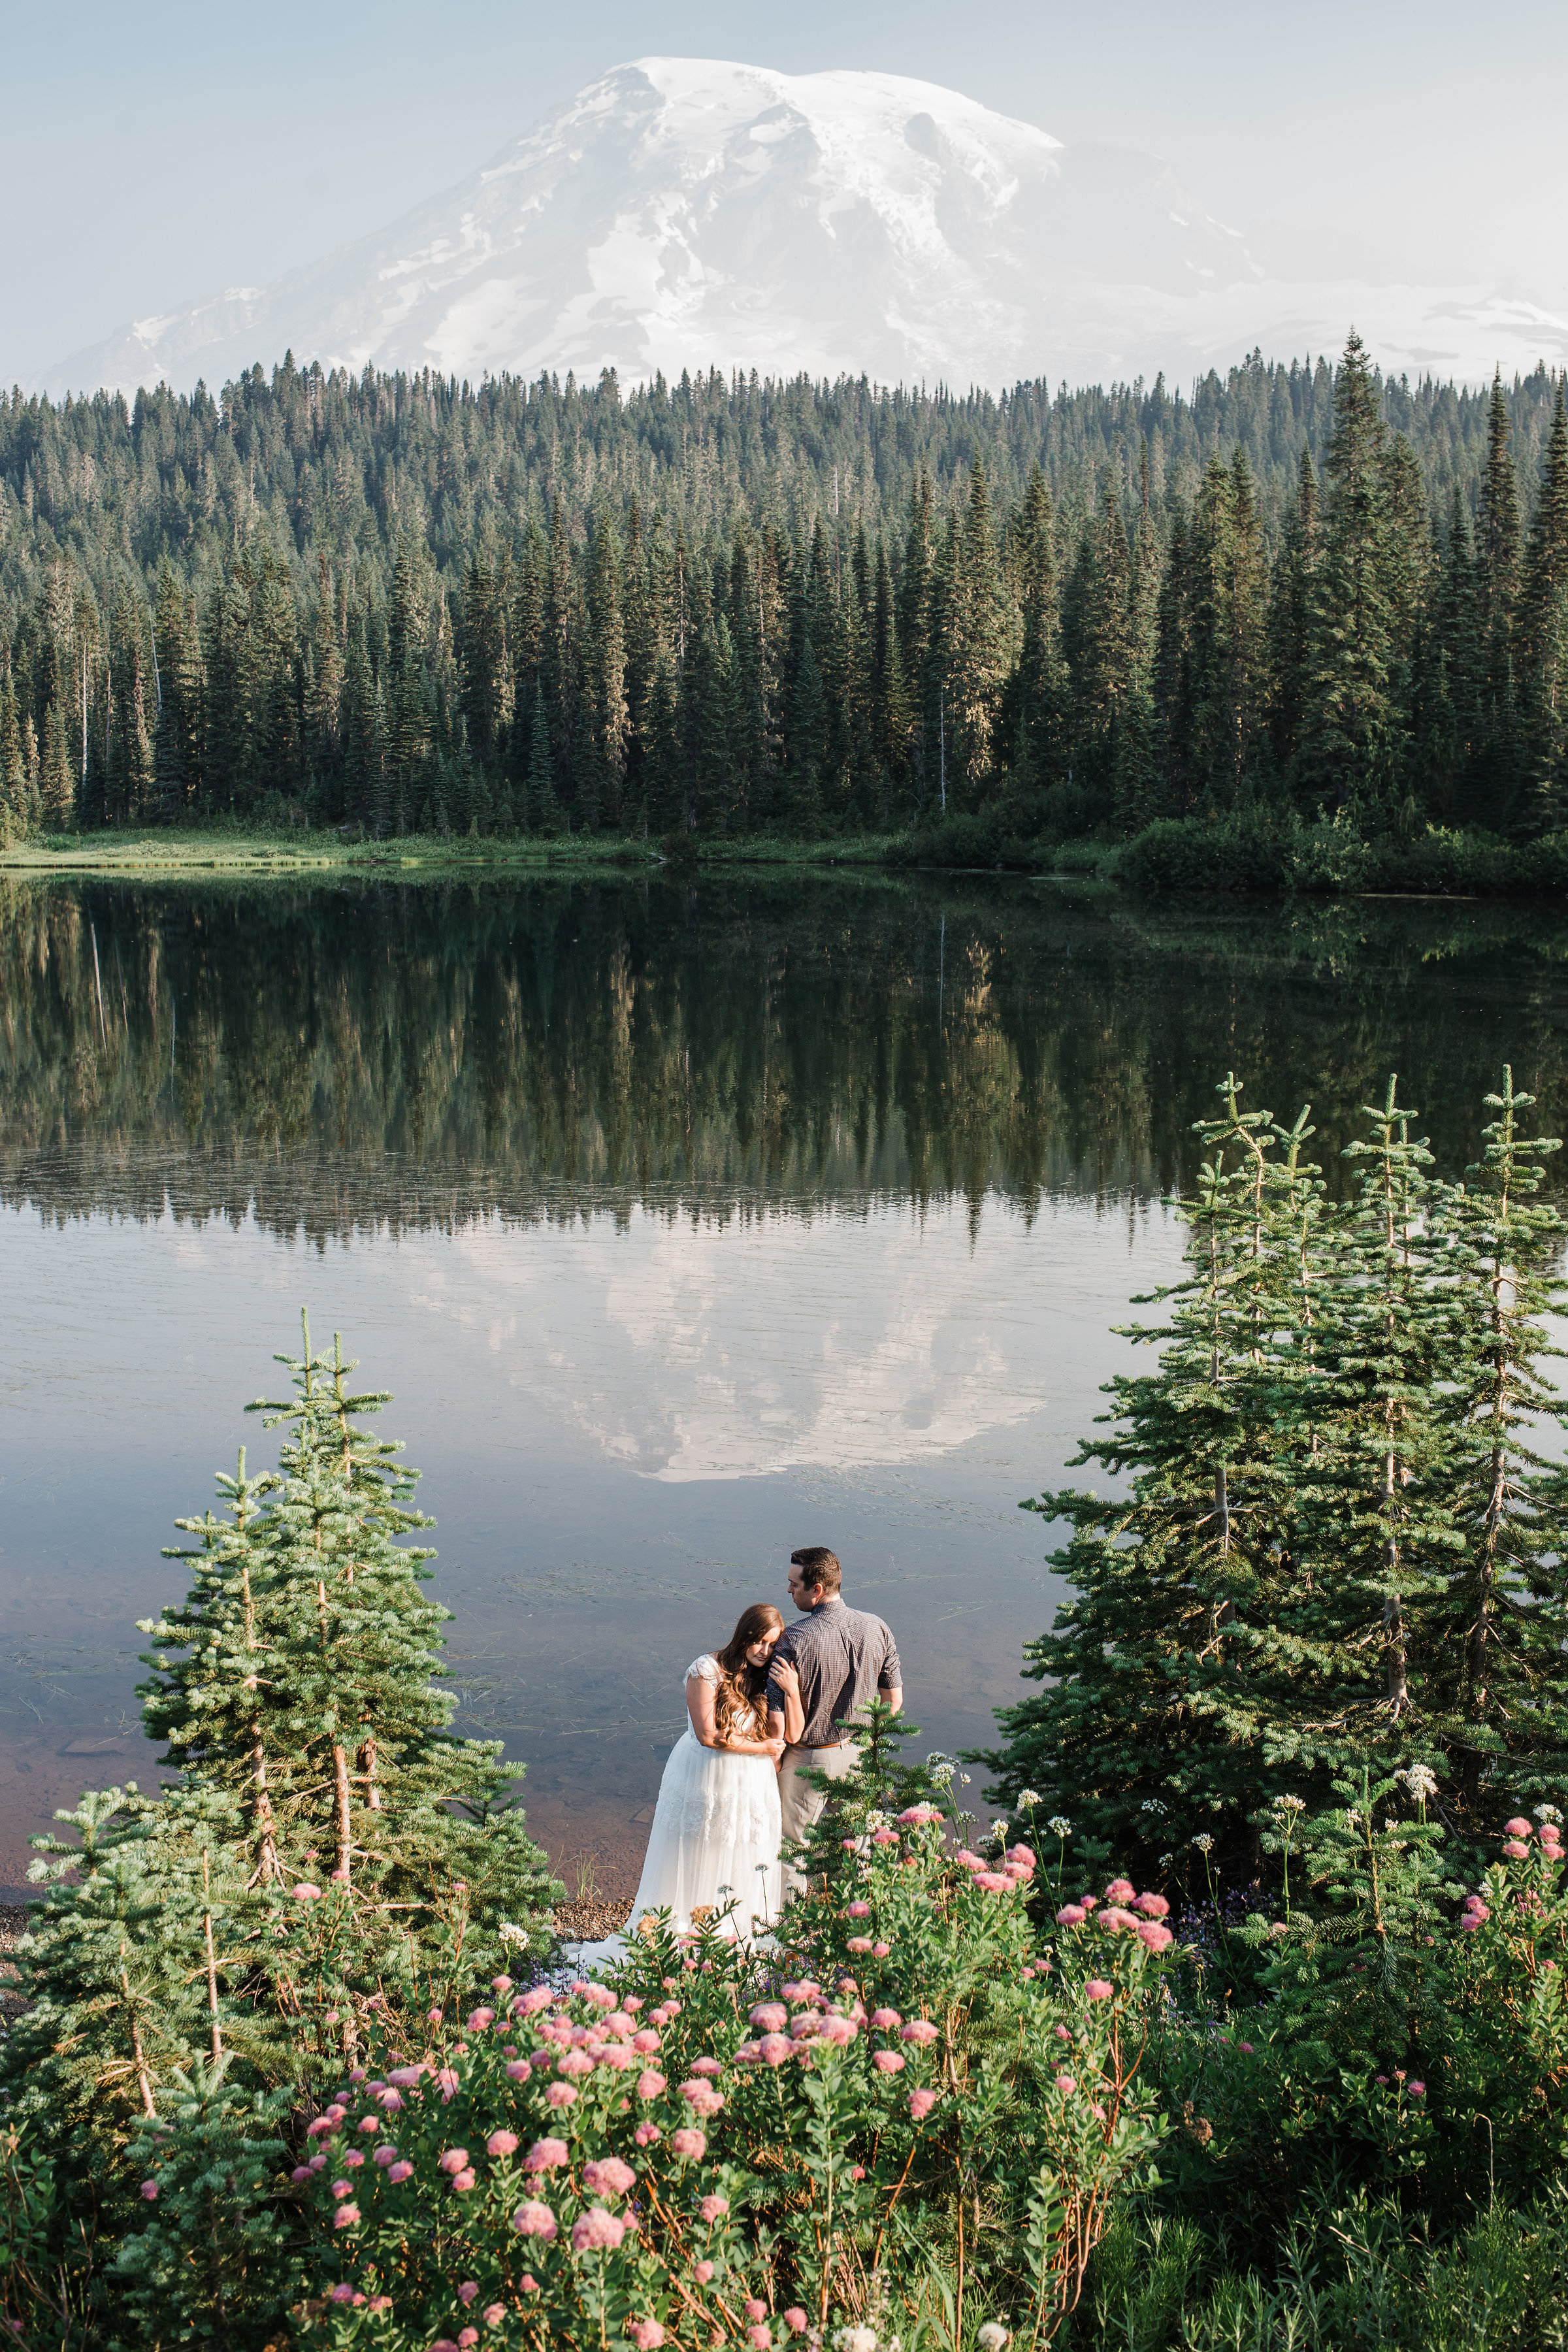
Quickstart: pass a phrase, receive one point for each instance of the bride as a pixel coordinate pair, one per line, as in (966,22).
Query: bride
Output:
(714,1843)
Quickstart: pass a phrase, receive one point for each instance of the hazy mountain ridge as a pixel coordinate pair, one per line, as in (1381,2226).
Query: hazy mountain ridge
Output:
(686,213)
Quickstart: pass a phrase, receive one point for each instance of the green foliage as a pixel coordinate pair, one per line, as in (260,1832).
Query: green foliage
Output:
(213,2262)
(1339,1542)
(925,2122)
(396,605)
(1266,850)
(1349,2275)
(185,1975)
(296,1680)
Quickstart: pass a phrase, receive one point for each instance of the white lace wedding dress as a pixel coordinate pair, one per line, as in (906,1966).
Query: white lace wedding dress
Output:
(716,1833)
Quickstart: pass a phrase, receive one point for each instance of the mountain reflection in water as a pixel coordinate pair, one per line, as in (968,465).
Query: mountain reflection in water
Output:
(685,1224)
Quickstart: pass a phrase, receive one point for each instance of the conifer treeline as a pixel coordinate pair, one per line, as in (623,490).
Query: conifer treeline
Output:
(396,602)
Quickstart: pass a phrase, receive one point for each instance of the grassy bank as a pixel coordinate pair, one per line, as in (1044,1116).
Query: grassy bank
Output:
(1247,854)
(251,851)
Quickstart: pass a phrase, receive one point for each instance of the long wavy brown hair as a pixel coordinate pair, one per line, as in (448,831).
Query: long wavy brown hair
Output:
(741,1685)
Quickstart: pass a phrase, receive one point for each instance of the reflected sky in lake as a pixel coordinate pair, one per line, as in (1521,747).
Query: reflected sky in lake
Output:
(684,1227)
(624,1427)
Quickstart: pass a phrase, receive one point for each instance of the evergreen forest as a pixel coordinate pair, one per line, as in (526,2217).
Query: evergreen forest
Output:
(1303,594)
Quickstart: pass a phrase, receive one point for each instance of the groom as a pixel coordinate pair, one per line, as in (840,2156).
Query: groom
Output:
(842,1656)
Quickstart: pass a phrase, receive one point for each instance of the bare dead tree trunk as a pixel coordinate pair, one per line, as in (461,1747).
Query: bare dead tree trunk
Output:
(344,1814)
(139,2056)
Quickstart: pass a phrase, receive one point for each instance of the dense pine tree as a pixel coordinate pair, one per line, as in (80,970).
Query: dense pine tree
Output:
(1339,1542)
(1544,642)
(295,1683)
(1346,753)
(1290,624)
(1496,586)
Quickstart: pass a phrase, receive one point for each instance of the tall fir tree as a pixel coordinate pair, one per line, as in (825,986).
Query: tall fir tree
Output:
(1039,692)
(1148,1731)
(977,635)
(1290,621)
(177,778)
(1338,1549)
(1543,640)
(1495,776)
(1446,722)
(1351,713)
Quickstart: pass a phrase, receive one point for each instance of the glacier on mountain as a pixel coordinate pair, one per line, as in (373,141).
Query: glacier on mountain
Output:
(688,213)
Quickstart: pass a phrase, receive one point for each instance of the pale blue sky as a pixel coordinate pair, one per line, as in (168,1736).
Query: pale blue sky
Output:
(157,152)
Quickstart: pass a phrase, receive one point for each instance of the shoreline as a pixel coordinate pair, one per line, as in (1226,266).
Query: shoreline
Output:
(1187,860)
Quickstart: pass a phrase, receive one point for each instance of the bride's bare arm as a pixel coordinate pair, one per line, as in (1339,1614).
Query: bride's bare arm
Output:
(699,1707)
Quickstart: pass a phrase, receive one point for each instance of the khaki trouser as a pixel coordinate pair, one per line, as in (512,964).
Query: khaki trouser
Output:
(801,1804)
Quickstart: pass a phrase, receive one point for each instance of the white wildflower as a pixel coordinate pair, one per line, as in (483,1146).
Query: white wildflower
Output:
(1059,1825)
(512,1935)
(964,1779)
(1421,1781)
(991,2336)
(875,1820)
(1153,1805)
(1166,1860)
(1029,1796)
(1289,1804)
(1547,1813)
(856,2339)
(1204,1843)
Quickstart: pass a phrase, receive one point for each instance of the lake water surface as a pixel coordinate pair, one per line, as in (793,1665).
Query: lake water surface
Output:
(687,1225)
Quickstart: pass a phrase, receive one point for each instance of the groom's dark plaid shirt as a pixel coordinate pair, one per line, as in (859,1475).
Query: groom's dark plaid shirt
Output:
(842,1655)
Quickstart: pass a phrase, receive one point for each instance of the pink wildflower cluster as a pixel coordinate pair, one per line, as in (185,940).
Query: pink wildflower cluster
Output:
(1117,1919)
(1017,1869)
(596,2230)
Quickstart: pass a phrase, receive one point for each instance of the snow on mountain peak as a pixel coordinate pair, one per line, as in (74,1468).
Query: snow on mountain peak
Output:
(688,213)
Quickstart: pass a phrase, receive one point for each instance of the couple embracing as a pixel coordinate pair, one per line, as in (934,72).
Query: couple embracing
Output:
(772,1705)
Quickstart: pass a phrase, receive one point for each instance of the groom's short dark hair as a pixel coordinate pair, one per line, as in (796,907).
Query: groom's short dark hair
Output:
(820,1571)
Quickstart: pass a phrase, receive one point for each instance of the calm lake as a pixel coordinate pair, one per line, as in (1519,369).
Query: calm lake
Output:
(685,1224)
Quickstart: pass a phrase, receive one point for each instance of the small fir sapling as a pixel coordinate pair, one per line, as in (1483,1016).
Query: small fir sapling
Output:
(1497,1699)
(293,1689)
(298,1677)
(107,1969)
(1376,1542)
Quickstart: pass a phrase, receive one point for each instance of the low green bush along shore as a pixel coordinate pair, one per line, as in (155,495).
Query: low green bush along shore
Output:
(1265,850)
(790,615)
(1244,2026)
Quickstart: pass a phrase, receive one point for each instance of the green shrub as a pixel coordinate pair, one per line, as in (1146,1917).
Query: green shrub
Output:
(926,2121)
(1266,852)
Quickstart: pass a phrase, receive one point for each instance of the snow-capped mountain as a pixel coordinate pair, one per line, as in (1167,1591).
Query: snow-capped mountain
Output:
(682,213)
